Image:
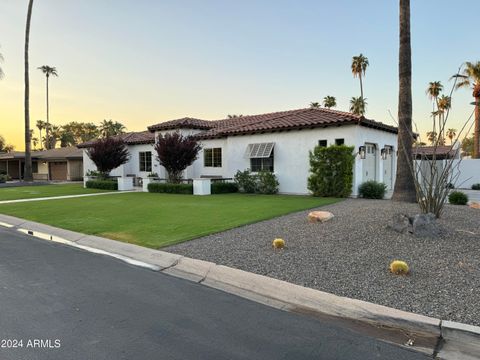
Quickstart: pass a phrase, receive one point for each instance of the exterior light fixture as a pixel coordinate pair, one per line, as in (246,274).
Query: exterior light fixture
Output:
(361,152)
(384,153)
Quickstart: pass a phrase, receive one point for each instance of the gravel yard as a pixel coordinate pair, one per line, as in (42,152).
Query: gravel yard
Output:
(350,254)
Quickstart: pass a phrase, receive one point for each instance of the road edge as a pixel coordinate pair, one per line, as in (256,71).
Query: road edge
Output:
(439,338)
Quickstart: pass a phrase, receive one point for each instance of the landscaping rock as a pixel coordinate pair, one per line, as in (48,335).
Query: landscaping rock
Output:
(401,223)
(319,216)
(425,225)
(475,205)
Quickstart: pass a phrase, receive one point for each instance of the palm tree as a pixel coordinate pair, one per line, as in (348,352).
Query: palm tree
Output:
(48,70)
(359,67)
(444,103)
(404,184)
(433,92)
(314,105)
(27,176)
(234,116)
(358,105)
(471,79)
(40,126)
(111,128)
(451,133)
(432,137)
(329,101)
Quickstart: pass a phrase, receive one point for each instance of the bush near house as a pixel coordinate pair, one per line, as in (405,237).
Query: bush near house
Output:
(263,182)
(224,188)
(476,187)
(102,184)
(170,188)
(372,190)
(458,198)
(331,171)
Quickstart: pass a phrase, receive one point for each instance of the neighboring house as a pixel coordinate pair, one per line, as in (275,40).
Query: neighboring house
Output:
(55,164)
(278,142)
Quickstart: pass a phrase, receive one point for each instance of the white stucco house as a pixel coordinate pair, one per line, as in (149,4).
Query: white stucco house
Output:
(278,142)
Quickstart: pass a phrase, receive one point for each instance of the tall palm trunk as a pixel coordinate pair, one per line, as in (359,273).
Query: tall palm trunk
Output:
(476,136)
(361,85)
(28,158)
(47,130)
(404,184)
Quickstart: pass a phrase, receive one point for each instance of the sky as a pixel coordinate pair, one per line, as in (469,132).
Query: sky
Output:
(146,61)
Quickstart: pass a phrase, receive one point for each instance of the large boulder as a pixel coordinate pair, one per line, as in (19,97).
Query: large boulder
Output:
(319,216)
(475,205)
(425,225)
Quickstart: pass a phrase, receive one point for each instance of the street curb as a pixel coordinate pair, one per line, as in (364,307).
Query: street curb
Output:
(444,339)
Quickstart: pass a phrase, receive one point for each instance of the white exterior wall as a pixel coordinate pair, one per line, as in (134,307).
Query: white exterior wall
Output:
(469,172)
(42,167)
(291,159)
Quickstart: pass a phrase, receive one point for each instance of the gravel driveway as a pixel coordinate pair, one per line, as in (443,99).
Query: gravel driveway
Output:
(350,254)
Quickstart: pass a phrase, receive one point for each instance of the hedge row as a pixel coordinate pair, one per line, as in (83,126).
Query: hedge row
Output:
(170,188)
(102,184)
(216,188)
(224,188)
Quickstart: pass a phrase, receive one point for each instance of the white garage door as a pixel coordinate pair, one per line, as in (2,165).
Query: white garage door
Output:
(370,163)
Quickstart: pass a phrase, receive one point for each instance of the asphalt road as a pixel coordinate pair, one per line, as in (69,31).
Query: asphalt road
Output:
(64,303)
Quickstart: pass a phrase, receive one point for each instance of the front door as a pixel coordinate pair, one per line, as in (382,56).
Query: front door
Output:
(388,168)
(370,163)
(58,170)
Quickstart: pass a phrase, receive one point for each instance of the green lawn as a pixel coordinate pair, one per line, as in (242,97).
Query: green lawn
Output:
(38,191)
(156,220)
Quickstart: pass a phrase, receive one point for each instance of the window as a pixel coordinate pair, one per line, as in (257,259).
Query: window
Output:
(339,141)
(212,157)
(259,164)
(145,161)
(322,143)
(261,156)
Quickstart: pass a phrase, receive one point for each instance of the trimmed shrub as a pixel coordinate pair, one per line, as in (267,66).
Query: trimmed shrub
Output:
(331,171)
(267,183)
(246,181)
(399,267)
(224,187)
(372,190)
(458,198)
(102,184)
(476,187)
(263,182)
(169,188)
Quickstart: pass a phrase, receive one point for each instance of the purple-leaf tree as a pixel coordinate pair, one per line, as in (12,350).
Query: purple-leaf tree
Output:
(175,153)
(108,154)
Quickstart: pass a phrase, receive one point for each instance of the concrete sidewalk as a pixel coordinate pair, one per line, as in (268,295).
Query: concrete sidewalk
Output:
(64,197)
(444,339)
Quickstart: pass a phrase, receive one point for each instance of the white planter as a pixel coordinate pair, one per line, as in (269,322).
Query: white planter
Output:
(202,187)
(146,181)
(125,183)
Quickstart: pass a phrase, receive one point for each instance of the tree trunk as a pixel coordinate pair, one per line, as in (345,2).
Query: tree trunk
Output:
(28,157)
(404,184)
(476,134)
(361,86)
(47,130)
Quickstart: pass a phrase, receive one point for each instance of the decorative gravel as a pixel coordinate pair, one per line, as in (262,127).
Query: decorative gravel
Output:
(349,256)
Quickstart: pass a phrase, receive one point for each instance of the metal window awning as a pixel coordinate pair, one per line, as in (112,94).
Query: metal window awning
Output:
(260,150)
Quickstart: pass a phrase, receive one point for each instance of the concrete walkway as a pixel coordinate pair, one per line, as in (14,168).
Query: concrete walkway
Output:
(64,197)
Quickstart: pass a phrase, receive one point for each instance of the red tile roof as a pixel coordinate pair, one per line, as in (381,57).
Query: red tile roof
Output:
(277,121)
(183,123)
(131,138)
(440,151)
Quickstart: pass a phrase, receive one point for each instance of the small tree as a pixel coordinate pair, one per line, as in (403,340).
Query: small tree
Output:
(175,153)
(108,154)
(331,171)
